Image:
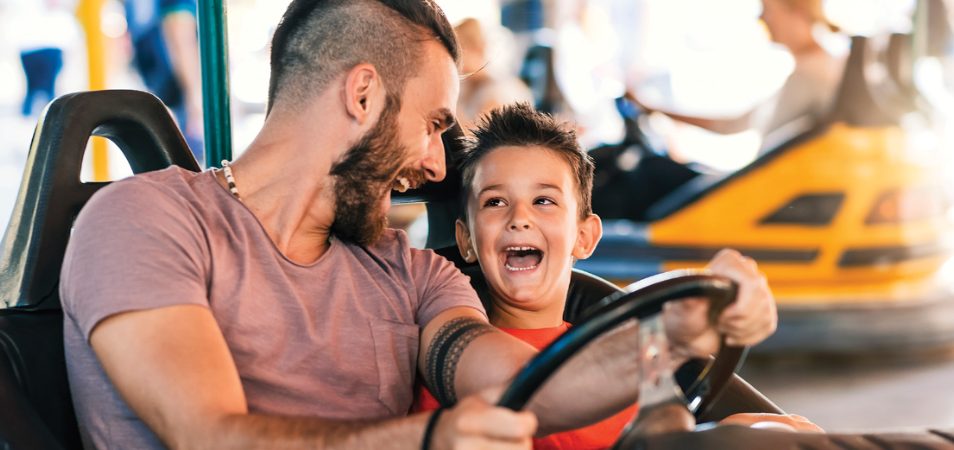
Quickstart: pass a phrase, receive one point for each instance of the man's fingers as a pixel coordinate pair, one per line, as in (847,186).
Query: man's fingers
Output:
(747,335)
(480,443)
(753,316)
(492,395)
(475,424)
(497,423)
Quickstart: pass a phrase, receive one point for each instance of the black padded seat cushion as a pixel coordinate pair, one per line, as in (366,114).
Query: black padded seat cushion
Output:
(36,412)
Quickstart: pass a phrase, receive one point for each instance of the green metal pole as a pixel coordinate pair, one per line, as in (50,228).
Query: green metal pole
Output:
(214,52)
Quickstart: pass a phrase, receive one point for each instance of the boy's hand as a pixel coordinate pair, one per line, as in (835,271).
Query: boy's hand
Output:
(747,321)
(475,423)
(790,422)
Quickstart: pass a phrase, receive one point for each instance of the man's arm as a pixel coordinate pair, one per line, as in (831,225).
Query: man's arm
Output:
(460,345)
(463,347)
(728,125)
(174,369)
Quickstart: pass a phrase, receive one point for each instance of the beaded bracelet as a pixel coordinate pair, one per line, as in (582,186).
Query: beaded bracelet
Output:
(429,429)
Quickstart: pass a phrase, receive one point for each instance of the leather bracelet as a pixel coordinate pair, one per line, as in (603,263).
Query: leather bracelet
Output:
(429,429)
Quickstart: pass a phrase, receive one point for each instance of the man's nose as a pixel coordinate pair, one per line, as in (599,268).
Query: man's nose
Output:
(434,167)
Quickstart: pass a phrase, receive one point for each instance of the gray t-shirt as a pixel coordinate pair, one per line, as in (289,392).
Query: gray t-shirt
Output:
(336,339)
(803,102)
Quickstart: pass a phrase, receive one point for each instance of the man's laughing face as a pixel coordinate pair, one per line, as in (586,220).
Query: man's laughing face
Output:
(364,179)
(402,151)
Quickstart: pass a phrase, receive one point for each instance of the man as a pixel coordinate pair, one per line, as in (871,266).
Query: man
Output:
(265,305)
(166,55)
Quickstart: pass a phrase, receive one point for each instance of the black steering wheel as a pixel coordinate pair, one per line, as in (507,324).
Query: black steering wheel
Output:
(639,301)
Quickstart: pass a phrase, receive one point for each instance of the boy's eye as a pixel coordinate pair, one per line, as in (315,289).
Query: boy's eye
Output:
(494,202)
(544,201)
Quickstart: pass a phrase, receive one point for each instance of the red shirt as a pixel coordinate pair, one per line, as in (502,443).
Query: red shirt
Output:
(600,435)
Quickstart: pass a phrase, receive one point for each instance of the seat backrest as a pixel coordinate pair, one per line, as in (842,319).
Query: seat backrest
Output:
(37,411)
(51,193)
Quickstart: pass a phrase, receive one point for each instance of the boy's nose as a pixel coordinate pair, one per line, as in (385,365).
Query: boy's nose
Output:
(519,225)
(519,219)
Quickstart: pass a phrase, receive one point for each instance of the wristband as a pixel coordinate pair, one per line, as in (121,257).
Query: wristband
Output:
(429,429)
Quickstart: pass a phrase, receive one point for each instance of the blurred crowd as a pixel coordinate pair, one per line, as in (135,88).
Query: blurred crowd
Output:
(745,69)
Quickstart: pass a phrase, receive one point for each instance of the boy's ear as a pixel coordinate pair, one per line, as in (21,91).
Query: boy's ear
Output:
(464,244)
(591,231)
(362,88)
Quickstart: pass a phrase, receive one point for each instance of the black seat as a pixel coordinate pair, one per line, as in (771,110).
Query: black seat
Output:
(37,411)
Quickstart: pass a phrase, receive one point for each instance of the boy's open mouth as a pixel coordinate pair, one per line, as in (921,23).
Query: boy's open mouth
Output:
(522,258)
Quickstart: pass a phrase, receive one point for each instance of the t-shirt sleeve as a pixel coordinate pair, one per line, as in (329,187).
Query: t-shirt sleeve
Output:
(440,286)
(133,247)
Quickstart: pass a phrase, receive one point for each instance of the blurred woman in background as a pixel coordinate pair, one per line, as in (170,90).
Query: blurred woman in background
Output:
(806,97)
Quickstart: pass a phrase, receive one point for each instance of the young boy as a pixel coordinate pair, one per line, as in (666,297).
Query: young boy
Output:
(526,189)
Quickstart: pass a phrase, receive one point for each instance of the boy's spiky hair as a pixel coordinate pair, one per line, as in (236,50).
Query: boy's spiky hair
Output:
(519,125)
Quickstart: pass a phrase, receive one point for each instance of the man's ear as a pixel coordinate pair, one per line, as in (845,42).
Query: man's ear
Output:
(591,231)
(361,91)
(464,244)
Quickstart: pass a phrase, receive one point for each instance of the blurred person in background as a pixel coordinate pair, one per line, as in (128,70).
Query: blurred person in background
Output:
(586,71)
(807,95)
(43,29)
(166,55)
(486,83)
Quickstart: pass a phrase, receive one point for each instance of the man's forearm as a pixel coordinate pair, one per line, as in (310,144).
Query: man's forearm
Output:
(258,431)
(598,382)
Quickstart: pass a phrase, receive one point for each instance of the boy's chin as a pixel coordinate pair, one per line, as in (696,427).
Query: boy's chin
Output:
(523,297)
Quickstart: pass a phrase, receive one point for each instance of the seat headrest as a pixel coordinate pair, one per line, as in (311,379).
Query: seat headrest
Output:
(51,193)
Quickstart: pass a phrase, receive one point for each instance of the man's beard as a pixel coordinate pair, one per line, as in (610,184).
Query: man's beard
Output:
(364,175)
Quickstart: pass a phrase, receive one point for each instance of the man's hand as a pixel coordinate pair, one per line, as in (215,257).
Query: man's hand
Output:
(753,316)
(474,423)
(749,320)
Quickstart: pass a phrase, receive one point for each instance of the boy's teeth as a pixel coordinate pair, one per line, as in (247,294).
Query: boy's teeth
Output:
(520,258)
(519,269)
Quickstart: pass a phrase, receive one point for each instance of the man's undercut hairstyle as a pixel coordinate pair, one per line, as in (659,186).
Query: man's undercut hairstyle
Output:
(519,125)
(318,40)
(445,351)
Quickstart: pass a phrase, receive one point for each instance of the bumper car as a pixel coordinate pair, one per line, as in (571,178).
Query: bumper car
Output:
(849,218)
(37,408)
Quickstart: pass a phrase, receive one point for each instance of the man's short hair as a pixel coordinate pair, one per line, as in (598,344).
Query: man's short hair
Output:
(519,125)
(318,40)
